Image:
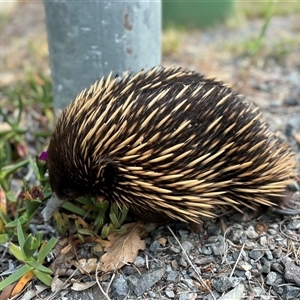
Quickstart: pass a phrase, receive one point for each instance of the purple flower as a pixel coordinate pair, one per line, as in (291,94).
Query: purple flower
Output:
(43,156)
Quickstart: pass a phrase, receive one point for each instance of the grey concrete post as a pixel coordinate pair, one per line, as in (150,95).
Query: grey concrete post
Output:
(88,39)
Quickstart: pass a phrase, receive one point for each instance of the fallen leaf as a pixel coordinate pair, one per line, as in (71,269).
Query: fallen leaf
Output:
(22,283)
(162,241)
(6,293)
(87,266)
(124,247)
(81,286)
(58,285)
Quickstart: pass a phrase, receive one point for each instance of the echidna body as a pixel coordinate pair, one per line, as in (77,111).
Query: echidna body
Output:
(167,143)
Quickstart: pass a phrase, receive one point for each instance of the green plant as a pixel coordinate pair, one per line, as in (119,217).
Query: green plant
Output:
(10,140)
(31,251)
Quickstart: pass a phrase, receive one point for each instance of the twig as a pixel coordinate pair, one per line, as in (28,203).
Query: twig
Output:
(99,284)
(62,286)
(191,264)
(237,260)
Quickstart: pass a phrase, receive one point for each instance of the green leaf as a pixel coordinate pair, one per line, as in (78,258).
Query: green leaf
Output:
(9,169)
(45,278)
(4,238)
(31,245)
(17,252)
(74,209)
(86,232)
(31,208)
(20,109)
(33,263)
(10,196)
(123,216)
(34,167)
(13,224)
(15,276)
(20,234)
(105,231)
(4,217)
(114,220)
(46,249)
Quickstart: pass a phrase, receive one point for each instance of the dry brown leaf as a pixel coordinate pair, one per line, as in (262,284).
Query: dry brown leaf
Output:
(22,282)
(82,286)
(87,266)
(124,247)
(6,293)
(163,241)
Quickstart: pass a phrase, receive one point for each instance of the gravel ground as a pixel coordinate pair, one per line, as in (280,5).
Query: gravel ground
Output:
(237,256)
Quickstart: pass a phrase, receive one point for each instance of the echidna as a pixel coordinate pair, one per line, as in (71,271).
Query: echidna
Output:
(167,143)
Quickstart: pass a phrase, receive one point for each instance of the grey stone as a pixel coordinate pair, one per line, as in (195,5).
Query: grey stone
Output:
(266,268)
(128,270)
(182,262)
(236,234)
(188,296)
(272,231)
(251,233)
(290,292)
(151,294)
(183,233)
(279,268)
(139,262)
(212,239)
(170,294)
(139,283)
(235,293)
(250,244)
(206,250)
(222,284)
(271,277)
(265,297)
(187,246)
(263,241)
(213,230)
(189,283)
(255,254)
(175,249)
(277,289)
(120,285)
(218,248)
(172,276)
(204,260)
(257,291)
(154,246)
(239,273)
(277,252)
(268,254)
(291,272)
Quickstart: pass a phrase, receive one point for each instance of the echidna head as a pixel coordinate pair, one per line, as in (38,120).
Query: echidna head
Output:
(65,184)
(70,180)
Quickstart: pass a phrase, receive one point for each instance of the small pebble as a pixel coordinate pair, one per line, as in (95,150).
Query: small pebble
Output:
(251,233)
(222,284)
(154,246)
(172,276)
(139,262)
(256,254)
(271,277)
(170,294)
